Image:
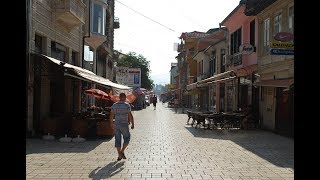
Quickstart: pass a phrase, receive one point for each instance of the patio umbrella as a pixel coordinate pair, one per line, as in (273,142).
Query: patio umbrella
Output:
(130,98)
(97,93)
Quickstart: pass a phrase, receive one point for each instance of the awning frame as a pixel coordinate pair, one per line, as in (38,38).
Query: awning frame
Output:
(83,74)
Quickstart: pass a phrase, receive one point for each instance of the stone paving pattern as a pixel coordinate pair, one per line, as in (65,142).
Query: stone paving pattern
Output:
(164,147)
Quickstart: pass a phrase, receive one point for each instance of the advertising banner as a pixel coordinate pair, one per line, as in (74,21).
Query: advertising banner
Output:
(128,76)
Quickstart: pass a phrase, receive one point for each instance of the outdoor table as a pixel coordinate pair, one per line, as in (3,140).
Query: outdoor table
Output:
(214,119)
(198,116)
(232,119)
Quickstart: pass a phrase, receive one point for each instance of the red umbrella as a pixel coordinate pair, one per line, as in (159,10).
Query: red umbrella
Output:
(130,98)
(97,93)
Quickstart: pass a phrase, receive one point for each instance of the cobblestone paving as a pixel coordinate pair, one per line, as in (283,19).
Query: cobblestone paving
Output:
(163,147)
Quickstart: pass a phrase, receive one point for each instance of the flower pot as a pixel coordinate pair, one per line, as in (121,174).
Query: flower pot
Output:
(79,127)
(104,128)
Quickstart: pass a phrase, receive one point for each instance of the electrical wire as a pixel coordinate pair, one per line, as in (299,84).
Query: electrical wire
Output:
(146,17)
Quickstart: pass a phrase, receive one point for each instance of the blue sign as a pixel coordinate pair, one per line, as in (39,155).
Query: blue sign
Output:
(282,51)
(136,79)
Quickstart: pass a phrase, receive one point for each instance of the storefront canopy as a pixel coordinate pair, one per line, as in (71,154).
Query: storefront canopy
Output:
(83,74)
(218,76)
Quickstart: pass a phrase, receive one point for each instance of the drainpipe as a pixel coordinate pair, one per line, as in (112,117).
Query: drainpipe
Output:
(83,43)
(84,37)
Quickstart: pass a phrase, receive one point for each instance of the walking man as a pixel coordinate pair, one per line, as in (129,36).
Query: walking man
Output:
(154,101)
(123,117)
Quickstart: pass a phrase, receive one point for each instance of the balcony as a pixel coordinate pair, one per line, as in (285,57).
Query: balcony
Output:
(116,23)
(95,40)
(69,13)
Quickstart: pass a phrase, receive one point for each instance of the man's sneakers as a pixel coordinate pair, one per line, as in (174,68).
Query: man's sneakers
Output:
(119,158)
(122,156)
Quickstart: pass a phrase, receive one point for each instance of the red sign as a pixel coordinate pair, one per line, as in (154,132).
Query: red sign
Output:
(284,36)
(246,49)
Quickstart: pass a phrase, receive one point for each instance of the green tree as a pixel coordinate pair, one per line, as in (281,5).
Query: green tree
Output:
(132,60)
(165,88)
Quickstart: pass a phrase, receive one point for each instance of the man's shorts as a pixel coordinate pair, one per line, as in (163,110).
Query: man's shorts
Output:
(124,130)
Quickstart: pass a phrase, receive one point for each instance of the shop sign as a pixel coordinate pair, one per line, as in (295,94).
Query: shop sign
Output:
(282,52)
(128,76)
(284,36)
(246,49)
(285,45)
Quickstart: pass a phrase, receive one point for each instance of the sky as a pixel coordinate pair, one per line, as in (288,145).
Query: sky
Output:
(156,42)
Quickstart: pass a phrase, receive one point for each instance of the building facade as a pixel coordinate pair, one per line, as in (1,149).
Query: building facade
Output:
(173,73)
(242,60)
(55,30)
(55,80)
(276,66)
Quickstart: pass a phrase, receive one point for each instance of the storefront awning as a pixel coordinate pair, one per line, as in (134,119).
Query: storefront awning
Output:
(98,79)
(224,79)
(83,74)
(215,77)
(247,70)
(276,83)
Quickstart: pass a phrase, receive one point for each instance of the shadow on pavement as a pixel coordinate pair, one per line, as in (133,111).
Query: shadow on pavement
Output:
(34,146)
(108,171)
(274,148)
(179,111)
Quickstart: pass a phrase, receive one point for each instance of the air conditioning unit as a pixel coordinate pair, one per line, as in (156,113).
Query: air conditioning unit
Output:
(226,60)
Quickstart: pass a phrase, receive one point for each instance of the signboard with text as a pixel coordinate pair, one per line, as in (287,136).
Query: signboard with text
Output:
(246,49)
(284,45)
(284,36)
(128,76)
(282,51)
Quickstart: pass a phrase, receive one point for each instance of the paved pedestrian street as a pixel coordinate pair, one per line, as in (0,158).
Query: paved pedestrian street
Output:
(163,147)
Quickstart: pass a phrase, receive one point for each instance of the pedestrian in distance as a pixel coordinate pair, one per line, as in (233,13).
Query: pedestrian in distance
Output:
(154,102)
(121,111)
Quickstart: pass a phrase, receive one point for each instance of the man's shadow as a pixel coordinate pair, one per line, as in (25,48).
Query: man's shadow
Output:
(106,172)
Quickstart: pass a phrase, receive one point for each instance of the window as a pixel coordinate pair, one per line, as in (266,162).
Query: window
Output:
(98,19)
(74,58)
(222,66)
(277,23)
(235,41)
(291,18)
(211,67)
(266,32)
(252,32)
(199,68)
(38,44)
(212,63)
(58,51)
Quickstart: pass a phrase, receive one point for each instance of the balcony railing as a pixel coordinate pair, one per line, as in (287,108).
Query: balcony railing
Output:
(237,59)
(70,12)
